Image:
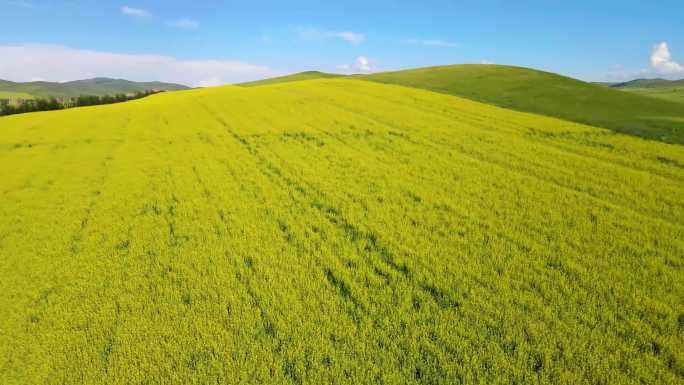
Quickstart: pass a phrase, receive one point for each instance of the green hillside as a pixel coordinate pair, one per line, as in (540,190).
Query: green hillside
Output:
(97,86)
(549,94)
(673,94)
(336,231)
(308,75)
(672,90)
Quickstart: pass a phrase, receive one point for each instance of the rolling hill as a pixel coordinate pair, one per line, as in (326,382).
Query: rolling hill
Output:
(308,75)
(337,231)
(672,90)
(549,94)
(528,90)
(97,86)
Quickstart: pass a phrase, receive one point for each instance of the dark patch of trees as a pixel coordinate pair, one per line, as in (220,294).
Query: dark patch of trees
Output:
(21,106)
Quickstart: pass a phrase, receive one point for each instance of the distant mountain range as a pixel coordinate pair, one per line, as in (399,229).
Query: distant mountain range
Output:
(96,86)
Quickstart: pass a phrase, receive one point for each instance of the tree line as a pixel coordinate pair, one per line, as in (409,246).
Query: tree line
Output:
(20,106)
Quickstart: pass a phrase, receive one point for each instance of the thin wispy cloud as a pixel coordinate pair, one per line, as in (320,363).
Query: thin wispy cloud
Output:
(22,4)
(309,33)
(135,12)
(26,62)
(619,73)
(661,60)
(432,42)
(184,24)
(351,37)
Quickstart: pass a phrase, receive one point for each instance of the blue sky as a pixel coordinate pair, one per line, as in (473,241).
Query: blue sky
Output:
(213,42)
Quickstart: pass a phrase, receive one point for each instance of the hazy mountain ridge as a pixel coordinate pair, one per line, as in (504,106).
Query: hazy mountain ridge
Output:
(99,86)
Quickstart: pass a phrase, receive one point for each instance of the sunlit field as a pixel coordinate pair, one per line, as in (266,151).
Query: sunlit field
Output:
(335,231)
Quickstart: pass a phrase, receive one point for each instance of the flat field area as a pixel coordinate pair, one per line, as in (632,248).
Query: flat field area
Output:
(335,231)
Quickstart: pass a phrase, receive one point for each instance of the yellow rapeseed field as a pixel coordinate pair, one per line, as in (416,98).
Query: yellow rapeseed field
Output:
(335,231)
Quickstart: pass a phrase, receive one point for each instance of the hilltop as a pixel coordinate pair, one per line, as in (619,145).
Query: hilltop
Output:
(96,87)
(307,75)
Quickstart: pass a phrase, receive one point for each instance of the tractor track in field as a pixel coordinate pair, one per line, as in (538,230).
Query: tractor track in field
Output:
(367,240)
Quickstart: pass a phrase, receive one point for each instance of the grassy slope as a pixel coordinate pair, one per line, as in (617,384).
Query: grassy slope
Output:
(98,86)
(309,75)
(335,231)
(552,95)
(672,90)
(673,94)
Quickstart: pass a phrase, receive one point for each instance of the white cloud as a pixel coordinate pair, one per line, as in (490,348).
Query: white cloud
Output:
(184,24)
(661,60)
(662,66)
(361,64)
(135,12)
(485,61)
(433,43)
(58,63)
(308,33)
